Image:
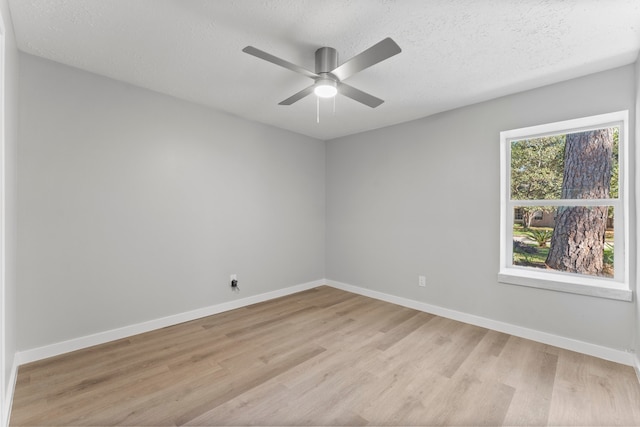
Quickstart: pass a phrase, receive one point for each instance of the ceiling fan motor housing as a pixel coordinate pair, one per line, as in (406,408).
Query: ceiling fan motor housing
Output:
(326,60)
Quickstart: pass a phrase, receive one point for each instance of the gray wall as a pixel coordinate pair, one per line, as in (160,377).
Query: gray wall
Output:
(637,183)
(10,177)
(134,205)
(423,198)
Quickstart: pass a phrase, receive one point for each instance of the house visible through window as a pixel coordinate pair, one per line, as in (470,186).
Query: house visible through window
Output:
(564,208)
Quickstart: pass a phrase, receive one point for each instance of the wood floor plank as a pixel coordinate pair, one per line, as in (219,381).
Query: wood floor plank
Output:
(402,329)
(247,382)
(581,381)
(399,396)
(249,408)
(469,401)
(533,387)
(325,357)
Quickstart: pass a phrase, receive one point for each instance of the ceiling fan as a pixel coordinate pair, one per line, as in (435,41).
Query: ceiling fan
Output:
(329,75)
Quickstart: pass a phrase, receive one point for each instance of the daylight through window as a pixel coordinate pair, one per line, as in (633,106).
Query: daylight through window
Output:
(563,206)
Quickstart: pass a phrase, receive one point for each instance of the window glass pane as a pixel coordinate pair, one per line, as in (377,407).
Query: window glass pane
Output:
(573,239)
(578,165)
(536,168)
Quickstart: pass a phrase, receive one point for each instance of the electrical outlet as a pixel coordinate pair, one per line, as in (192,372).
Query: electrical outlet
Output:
(234,283)
(422,281)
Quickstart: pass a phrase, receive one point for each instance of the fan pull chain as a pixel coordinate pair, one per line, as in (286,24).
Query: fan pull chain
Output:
(318,108)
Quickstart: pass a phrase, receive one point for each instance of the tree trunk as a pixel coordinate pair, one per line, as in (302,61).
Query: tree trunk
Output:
(526,219)
(577,244)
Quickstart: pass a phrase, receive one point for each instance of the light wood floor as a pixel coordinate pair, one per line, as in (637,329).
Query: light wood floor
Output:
(325,357)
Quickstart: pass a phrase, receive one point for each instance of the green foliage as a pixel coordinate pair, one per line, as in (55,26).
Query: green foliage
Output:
(519,230)
(536,168)
(608,254)
(524,257)
(541,236)
(613,189)
(536,171)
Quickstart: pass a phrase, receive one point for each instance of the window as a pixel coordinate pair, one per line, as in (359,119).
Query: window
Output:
(518,215)
(564,208)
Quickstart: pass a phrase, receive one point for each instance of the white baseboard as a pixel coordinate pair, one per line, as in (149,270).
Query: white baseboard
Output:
(595,350)
(637,365)
(11,386)
(56,349)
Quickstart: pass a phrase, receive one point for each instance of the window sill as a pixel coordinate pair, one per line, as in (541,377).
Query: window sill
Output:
(595,287)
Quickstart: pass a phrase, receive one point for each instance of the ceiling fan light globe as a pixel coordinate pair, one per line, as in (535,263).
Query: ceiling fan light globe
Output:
(325,87)
(325,91)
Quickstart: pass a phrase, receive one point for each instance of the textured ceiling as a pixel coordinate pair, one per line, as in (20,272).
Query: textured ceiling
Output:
(455,52)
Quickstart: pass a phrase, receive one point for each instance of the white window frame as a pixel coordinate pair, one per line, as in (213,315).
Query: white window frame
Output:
(613,288)
(4,405)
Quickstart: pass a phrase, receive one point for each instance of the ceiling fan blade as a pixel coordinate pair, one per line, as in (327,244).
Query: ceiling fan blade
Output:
(376,53)
(281,62)
(358,95)
(298,96)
